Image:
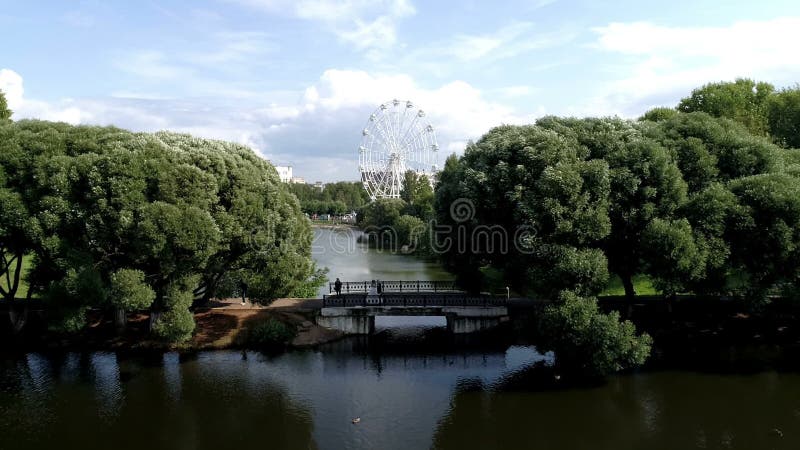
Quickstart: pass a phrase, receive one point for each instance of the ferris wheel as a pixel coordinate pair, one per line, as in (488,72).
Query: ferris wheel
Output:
(397,138)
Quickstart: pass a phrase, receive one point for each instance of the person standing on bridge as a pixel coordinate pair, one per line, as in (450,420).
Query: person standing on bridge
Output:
(337,287)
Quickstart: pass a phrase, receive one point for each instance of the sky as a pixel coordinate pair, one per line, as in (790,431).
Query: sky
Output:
(296,80)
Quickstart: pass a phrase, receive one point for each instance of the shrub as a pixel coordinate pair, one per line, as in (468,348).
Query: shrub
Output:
(129,290)
(270,333)
(588,342)
(177,323)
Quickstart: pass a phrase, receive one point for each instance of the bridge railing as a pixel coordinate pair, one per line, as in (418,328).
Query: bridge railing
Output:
(349,287)
(413,300)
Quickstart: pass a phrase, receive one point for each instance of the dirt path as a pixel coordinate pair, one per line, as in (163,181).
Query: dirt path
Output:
(224,322)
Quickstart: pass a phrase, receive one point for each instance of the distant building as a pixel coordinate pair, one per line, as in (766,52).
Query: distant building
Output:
(298,180)
(285,173)
(319,185)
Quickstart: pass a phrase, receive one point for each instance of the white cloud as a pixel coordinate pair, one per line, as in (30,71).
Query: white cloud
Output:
(667,62)
(12,86)
(317,133)
(368,25)
(515,40)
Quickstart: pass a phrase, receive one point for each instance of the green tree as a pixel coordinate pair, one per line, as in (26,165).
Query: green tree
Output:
(5,113)
(673,257)
(525,197)
(743,100)
(783,115)
(658,114)
(588,342)
(712,213)
(646,184)
(172,206)
(709,149)
(765,239)
(418,194)
(409,230)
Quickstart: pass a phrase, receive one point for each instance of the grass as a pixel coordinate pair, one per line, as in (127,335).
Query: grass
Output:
(22,292)
(641,284)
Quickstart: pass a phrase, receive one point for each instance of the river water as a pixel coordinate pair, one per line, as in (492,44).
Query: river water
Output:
(411,387)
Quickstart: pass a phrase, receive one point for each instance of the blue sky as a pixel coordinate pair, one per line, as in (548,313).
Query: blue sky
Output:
(297,79)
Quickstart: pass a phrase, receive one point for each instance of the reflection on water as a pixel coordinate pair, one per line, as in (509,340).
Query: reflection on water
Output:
(454,399)
(654,411)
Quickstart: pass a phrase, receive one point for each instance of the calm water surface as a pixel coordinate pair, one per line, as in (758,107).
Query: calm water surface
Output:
(349,260)
(454,400)
(427,395)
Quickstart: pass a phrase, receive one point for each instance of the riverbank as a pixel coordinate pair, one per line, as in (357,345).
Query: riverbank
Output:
(223,324)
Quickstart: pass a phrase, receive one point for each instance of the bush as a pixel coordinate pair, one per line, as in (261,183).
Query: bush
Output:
(177,323)
(271,333)
(588,342)
(68,320)
(129,290)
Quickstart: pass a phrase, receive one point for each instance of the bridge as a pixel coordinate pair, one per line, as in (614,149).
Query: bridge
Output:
(353,311)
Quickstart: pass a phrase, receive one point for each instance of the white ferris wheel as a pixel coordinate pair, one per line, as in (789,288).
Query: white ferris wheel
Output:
(397,138)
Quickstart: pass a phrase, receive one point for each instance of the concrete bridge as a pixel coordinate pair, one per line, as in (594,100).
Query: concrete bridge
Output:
(355,313)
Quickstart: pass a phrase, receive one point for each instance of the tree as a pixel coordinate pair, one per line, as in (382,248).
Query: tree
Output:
(177,208)
(646,184)
(350,194)
(418,194)
(709,149)
(588,342)
(765,237)
(743,100)
(712,213)
(783,115)
(658,114)
(5,113)
(409,230)
(521,199)
(673,257)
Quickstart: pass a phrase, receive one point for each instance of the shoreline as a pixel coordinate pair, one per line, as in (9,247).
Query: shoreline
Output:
(222,325)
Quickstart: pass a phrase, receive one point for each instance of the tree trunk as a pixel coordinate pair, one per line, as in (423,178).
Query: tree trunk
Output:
(627,282)
(120,319)
(154,315)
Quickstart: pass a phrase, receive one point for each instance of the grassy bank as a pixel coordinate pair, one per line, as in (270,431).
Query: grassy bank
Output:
(641,283)
(22,292)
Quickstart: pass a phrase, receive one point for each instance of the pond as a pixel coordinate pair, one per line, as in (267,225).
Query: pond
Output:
(405,400)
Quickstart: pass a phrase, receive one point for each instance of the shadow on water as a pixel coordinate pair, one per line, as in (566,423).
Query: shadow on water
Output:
(662,410)
(103,400)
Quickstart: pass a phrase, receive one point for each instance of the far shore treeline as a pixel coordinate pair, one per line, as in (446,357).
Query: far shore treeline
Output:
(702,198)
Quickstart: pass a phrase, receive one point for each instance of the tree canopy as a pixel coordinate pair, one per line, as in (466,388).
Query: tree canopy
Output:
(103,205)
(5,113)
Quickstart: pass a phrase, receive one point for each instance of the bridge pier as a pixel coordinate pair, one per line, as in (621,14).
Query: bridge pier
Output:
(460,320)
(346,322)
